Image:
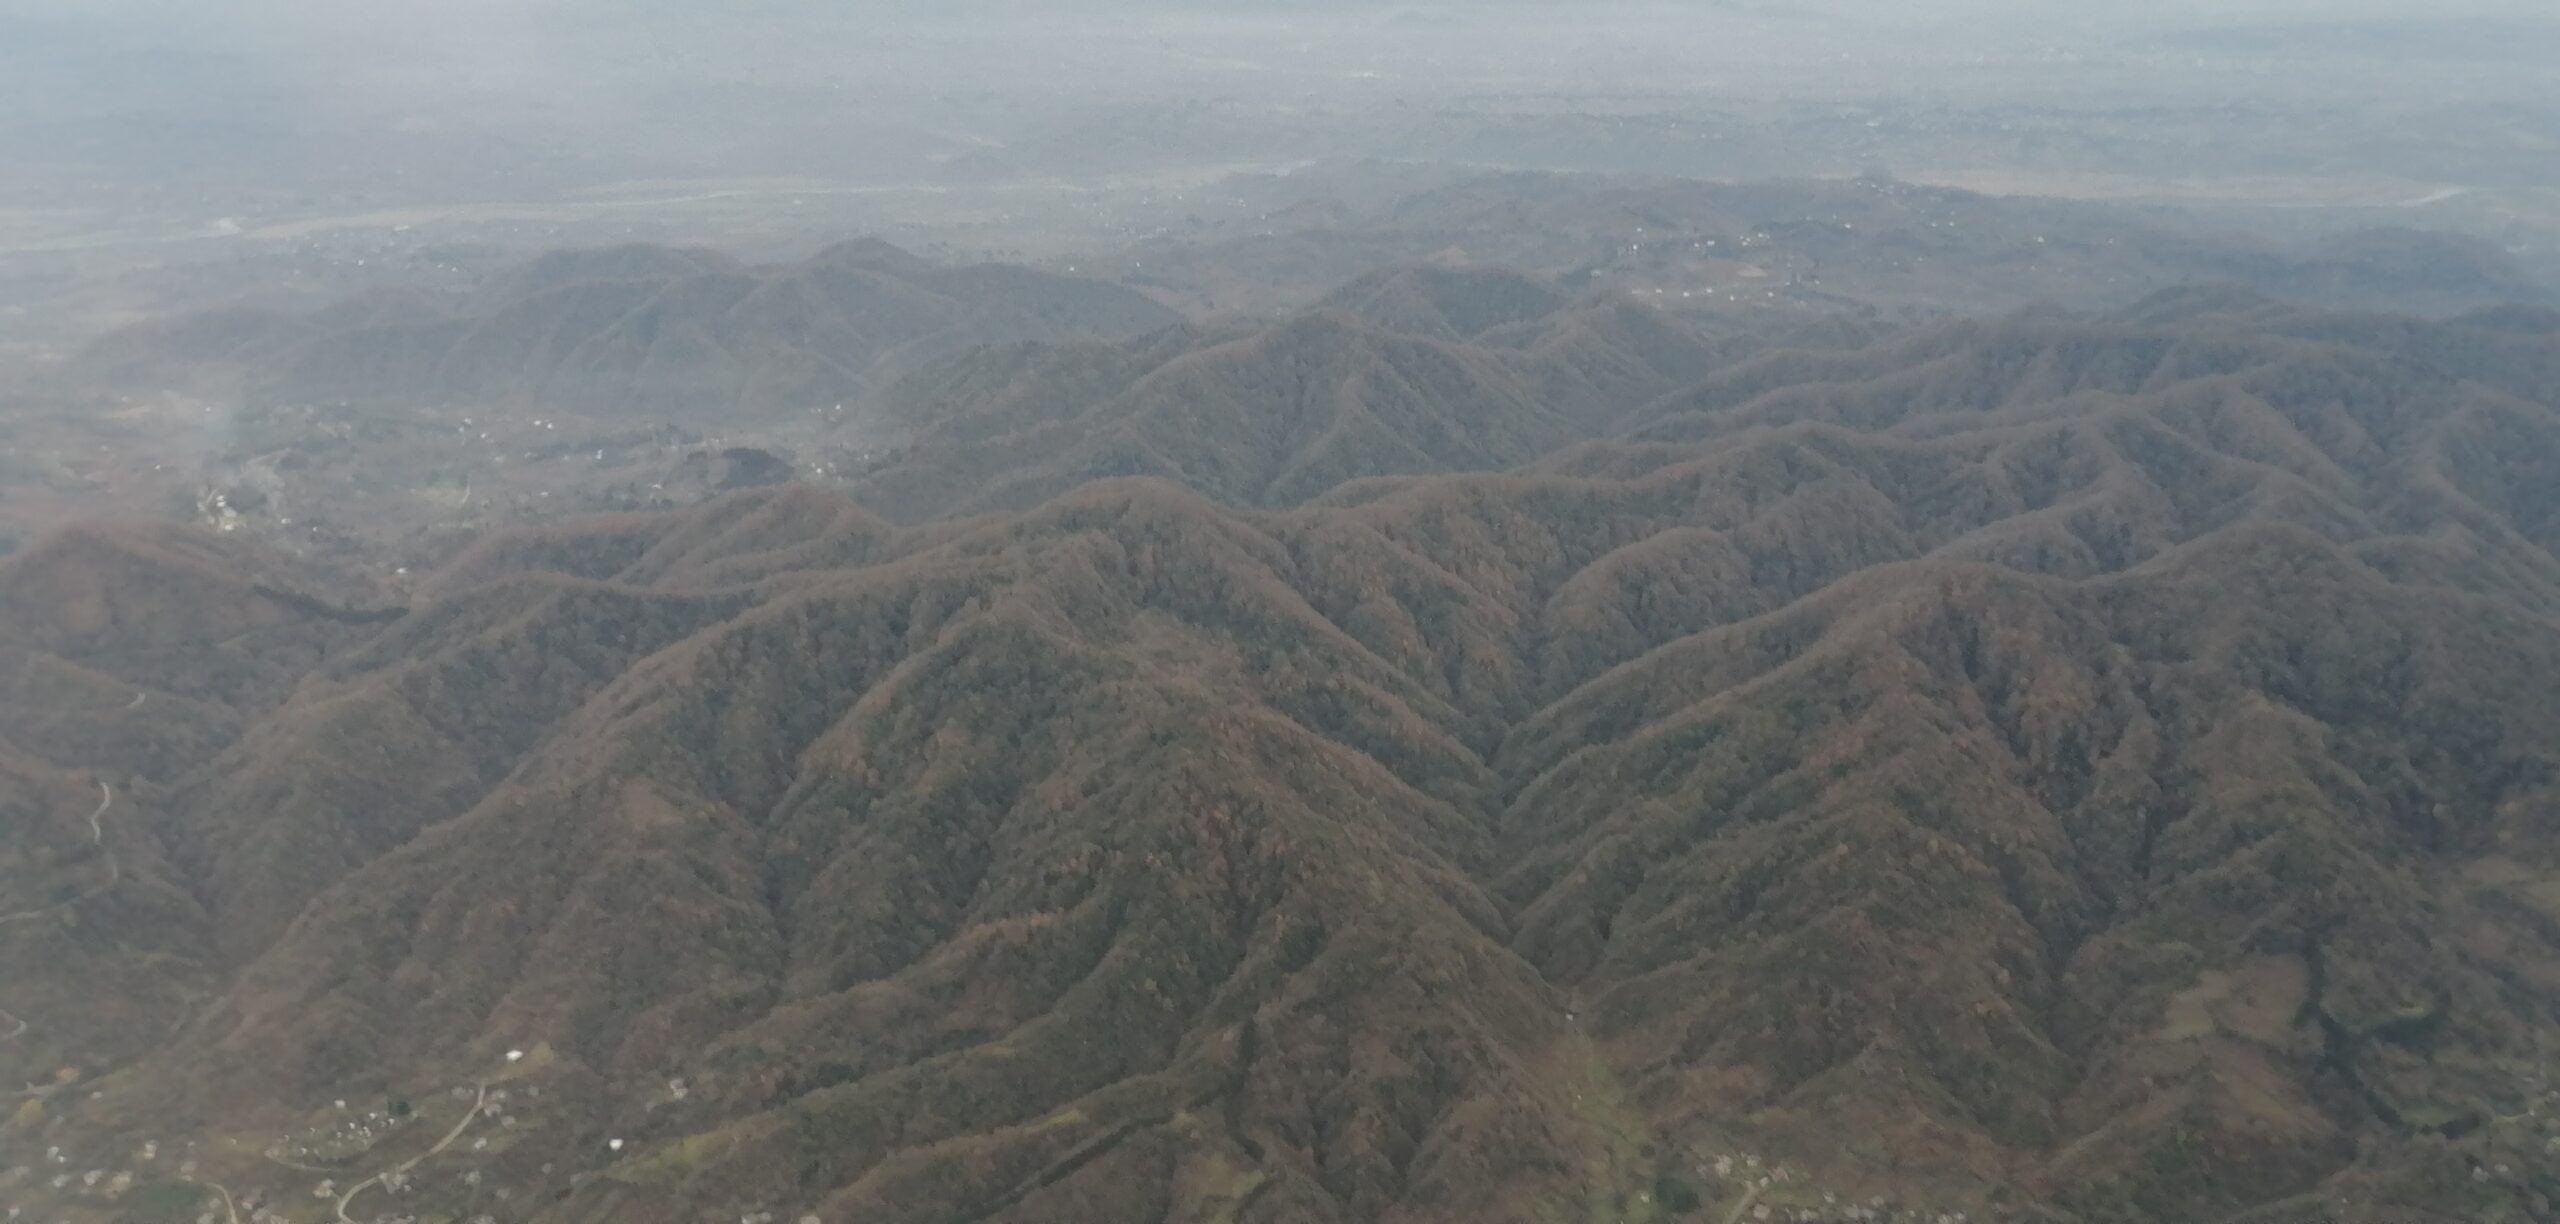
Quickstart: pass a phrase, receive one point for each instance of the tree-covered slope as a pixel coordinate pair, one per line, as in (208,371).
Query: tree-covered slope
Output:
(2093,771)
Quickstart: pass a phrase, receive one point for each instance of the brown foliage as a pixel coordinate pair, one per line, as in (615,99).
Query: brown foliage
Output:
(2101,765)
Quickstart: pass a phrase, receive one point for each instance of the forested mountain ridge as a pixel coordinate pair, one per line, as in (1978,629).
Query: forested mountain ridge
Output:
(1377,381)
(2051,769)
(1872,245)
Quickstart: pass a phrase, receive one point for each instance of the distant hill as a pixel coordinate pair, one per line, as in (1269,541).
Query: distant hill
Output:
(1419,370)
(1873,243)
(2084,770)
(633,330)
(1448,303)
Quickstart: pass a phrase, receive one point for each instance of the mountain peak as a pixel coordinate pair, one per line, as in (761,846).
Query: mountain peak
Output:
(1450,302)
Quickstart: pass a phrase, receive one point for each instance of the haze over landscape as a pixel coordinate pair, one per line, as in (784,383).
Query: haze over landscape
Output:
(1253,613)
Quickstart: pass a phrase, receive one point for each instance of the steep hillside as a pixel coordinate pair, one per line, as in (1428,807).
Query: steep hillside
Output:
(1448,302)
(2092,771)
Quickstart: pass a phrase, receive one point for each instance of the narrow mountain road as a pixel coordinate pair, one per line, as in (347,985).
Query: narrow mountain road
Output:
(230,1208)
(478,1107)
(106,799)
(98,838)
(115,876)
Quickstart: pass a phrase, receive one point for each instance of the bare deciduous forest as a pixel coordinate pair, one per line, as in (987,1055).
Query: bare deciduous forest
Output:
(1278,614)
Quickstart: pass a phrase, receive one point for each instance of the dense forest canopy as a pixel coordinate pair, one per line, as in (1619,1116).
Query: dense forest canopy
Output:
(1798,611)
(2084,768)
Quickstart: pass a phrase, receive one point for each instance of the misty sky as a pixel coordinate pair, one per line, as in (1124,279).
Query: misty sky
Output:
(96,52)
(164,102)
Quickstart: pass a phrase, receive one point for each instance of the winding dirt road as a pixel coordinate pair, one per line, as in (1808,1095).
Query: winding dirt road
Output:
(478,1107)
(115,876)
(98,838)
(106,799)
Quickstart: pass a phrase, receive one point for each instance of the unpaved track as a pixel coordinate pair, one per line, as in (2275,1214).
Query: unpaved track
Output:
(115,875)
(478,1107)
(98,838)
